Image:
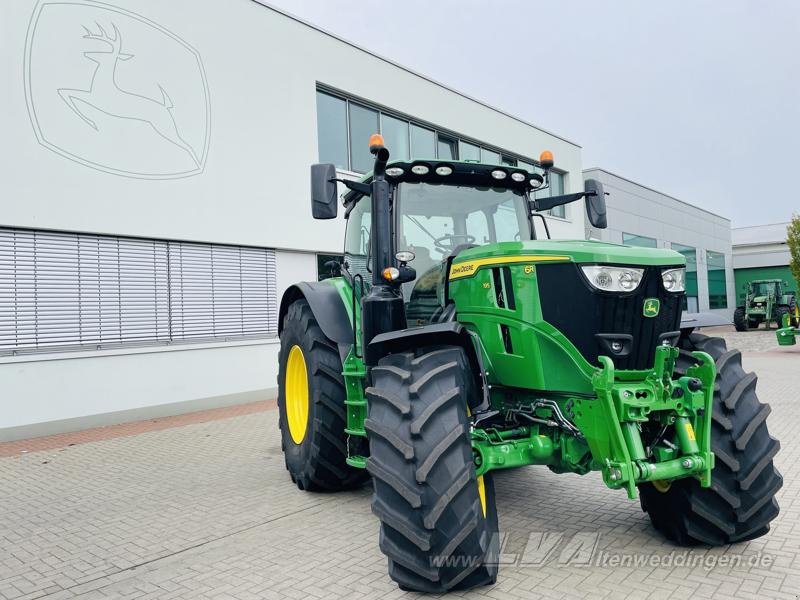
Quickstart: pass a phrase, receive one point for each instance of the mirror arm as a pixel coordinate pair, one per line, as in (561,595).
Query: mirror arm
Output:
(356,186)
(548,203)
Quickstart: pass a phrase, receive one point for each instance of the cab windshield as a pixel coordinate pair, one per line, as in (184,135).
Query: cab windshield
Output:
(763,289)
(435,222)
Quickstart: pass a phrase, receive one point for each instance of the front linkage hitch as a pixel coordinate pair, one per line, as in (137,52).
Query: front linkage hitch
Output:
(610,424)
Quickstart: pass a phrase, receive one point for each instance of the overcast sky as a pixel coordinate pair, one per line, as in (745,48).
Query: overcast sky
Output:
(700,100)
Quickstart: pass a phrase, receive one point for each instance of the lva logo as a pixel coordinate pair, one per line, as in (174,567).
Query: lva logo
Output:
(114,91)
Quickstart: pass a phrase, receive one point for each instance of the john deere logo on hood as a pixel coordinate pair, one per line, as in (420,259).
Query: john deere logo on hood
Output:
(651,307)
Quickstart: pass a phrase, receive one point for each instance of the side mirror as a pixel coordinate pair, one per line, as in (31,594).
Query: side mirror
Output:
(323,191)
(596,204)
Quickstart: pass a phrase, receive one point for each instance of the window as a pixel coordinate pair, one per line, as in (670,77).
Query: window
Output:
(75,291)
(508,161)
(468,151)
(363,123)
(324,268)
(717,288)
(395,134)
(556,188)
(356,240)
(423,142)
(643,241)
(437,220)
(332,130)
(690,302)
(527,166)
(344,127)
(447,148)
(490,157)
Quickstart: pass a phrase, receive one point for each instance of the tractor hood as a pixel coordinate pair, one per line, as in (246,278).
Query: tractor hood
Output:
(579,251)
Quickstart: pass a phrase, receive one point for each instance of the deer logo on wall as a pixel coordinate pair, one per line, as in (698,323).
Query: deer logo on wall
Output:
(106,95)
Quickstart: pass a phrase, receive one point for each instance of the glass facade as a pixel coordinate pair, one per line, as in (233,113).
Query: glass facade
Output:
(344,126)
(690,302)
(717,287)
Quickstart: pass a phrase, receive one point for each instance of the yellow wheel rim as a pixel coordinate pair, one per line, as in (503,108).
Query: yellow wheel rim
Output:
(296,394)
(482,494)
(661,485)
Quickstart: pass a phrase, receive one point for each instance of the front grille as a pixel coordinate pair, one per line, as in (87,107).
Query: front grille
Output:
(580,312)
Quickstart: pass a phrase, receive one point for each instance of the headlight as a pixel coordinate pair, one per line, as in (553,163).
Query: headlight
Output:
(613,279)
(674,280)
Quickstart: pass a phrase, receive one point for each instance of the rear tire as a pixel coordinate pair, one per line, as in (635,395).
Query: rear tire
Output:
(739,320)
(794,312)
(436,530)
(314,447)
(740,503)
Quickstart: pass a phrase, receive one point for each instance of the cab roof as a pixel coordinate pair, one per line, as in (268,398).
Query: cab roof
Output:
(465,173)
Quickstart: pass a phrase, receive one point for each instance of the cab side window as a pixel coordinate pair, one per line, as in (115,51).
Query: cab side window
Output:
(357,240)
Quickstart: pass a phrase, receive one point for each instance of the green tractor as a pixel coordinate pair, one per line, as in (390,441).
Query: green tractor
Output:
(766,300)
(454,343)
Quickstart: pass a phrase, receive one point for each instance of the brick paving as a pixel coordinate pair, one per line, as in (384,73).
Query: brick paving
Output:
(205,509)
(754,340)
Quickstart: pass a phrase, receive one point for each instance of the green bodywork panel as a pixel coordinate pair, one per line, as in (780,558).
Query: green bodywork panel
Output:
(580,417)
(786,334)
(579,251)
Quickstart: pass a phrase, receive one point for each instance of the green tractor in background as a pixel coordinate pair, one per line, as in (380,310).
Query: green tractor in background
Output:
(766,300)
(455,343)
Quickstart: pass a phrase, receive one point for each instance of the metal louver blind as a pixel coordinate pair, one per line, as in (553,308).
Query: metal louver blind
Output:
(222,291)
(64,290)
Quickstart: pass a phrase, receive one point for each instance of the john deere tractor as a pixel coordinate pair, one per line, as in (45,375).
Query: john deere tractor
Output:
(454,343)
(766,300)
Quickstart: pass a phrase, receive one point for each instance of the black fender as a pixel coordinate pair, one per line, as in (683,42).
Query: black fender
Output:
(436,334)
(328,309)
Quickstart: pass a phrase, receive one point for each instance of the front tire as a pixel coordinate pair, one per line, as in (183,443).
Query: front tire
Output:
(311,406)
(739,320)
(741,502)
(438,521)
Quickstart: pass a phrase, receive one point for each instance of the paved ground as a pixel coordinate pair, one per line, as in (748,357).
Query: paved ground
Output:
(206,510)
(755,340)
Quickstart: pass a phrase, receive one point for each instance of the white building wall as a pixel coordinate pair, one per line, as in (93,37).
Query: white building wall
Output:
(760,246)
(258,70)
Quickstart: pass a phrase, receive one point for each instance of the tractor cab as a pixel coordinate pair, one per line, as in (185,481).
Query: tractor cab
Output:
(760,291)
(433,223)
